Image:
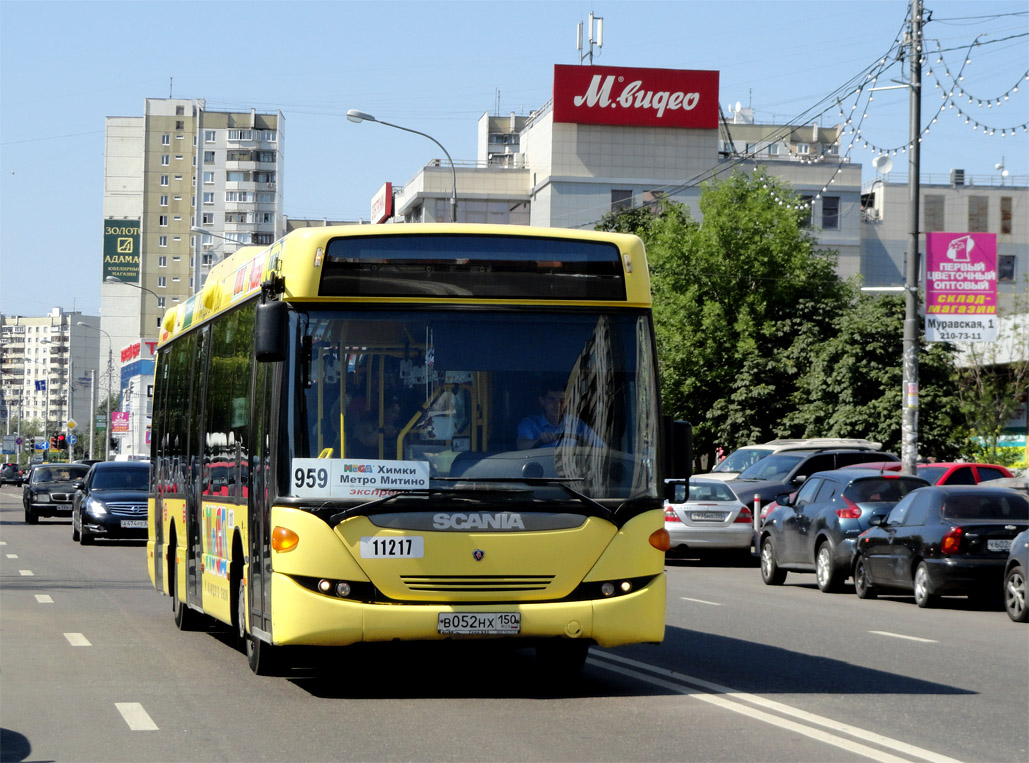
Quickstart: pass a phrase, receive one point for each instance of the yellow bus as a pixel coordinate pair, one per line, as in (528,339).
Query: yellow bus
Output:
(415,432)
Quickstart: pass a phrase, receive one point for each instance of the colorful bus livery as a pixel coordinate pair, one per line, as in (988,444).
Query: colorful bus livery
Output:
(415,432)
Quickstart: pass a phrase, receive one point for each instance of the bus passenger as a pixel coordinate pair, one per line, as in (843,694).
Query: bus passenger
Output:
(551,426)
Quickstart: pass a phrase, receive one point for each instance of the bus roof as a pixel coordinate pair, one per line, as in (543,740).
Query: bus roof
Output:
(297,260)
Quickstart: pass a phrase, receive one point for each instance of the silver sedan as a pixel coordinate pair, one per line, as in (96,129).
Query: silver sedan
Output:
(711,516)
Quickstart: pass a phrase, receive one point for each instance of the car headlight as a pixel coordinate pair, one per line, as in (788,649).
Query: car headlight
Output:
(95,508)
(41,497)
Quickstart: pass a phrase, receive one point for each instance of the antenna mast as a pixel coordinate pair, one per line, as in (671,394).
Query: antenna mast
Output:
(592,37)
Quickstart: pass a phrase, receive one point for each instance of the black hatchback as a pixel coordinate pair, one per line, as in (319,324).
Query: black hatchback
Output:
(112,502)
(942,540)
(815,530)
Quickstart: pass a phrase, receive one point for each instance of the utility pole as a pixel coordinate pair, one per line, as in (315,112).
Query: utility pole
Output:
(909,393)
(92,409)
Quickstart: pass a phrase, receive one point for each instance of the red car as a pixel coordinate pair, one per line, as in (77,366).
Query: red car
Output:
(946,473)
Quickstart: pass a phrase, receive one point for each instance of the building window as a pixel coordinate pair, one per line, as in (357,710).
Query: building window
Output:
(266,156)
(162,261)
(1006,268)
(208,177)
(1005,214)
(208,157)
(162,282)
(620,200)
(773,149)
(209,136)
(160,302)
(180,124)
(180,110)
(207,218)
(264,177)
(162,241)
(264,197)
(166,140)
(805,220)
(178,157)
(164,180)
(241,134)
(178,178)
(163,221)
(268,135)
(978,214)
(235,176)
(164,200)
(830,213)
(932,212)
(803,149)
(165,160)
(208,197)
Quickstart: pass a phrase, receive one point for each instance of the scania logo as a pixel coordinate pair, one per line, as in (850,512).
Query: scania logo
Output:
(484,520)
(477,554)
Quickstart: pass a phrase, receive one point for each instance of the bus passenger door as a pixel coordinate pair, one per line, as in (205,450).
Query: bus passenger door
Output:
(260,491)
(195,482)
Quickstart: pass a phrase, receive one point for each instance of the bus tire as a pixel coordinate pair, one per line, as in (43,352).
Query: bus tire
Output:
(263,658)
(561,658)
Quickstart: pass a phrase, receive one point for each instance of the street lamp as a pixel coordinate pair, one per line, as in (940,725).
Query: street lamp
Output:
(110,369)
(196,269)
(115,279)
(360,116)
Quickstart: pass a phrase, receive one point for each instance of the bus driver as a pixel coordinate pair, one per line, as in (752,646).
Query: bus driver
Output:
(549,427)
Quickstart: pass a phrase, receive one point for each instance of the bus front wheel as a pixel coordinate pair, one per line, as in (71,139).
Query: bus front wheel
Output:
(561,658)
(262,657)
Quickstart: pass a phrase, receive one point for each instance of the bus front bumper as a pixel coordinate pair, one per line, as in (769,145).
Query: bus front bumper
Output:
(302,617)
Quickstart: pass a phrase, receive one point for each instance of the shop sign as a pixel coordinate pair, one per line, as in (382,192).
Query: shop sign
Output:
(382,204)
(961,287)
(121,250)
(615,95)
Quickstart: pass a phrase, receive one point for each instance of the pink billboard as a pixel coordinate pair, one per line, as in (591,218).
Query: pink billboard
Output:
(961,287)
(119,422)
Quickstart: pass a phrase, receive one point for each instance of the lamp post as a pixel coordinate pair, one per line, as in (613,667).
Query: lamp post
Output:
(196,269)
(360,116)
(110,368)
(115,279)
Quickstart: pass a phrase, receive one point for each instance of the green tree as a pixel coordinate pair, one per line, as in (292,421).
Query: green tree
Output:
(740,302)
(852,385)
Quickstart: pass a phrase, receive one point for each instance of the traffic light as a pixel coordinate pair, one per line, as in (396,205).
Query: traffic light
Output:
(53,442)
(62,442)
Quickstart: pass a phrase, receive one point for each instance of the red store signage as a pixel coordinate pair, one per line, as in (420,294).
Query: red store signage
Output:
(616,95)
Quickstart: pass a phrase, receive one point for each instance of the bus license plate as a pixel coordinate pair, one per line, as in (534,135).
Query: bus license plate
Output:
(998,545)
(480,623)
(135,524)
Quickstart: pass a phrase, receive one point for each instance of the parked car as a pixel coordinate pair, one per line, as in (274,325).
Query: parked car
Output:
(959,473)
(112,502)
(739,460)
(785,472)
(941,540)
(1015,570)
(50,490)
(10,474)
(815,530)
(710,516)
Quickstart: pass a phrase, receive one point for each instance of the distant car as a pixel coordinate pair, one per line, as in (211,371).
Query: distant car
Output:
(815,530)
(88,461)
(939,541)
(50,490)
(739,460)
(959,473)
(785,472)
(112,502)
(10,474)
(709,517)
(1015,570)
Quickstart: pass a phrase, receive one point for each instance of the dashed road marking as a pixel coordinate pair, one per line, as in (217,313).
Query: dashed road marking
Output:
(44,598)
(77,639)
(12,556)
(701,601)
(26,573)
(137,717)
(908,638)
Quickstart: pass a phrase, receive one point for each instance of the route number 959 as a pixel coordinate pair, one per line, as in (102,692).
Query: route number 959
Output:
(310,477)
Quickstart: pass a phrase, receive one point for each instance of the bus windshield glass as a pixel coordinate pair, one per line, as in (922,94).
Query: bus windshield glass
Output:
(534,399)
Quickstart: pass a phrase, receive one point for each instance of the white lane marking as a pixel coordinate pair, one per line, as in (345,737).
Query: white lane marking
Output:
(77,639)
(135,716)
(26,573)
(901,635)
(12,556)
(733,700)
(44,598)
(700,601)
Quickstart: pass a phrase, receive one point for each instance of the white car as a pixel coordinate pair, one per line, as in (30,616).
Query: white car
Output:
(736,462)
(709,517)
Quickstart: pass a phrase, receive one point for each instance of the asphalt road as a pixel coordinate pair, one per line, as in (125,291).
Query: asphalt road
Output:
(93,669)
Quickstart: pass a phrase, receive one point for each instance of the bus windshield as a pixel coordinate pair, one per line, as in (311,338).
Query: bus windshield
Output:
(492,396)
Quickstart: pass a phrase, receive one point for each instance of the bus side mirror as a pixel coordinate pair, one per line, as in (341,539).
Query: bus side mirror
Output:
(270,332)
(678,454)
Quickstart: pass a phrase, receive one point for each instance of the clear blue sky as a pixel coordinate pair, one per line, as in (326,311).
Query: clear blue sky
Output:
(436,67)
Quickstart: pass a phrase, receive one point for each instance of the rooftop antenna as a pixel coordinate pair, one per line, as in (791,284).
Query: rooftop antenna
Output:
(591,37)
(1003,171)
(171,84)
